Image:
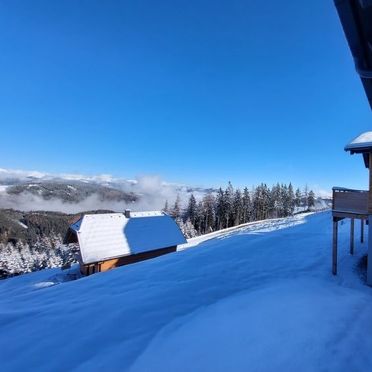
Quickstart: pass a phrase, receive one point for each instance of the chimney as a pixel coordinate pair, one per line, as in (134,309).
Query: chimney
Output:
(127,213)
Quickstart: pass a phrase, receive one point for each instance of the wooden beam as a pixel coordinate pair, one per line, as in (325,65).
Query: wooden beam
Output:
(334,247)
(362,231)
(370,185)
(369,247)
(369,266)
(343,214)
(352,236)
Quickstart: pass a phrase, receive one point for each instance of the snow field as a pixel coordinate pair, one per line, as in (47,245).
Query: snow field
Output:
(260,298)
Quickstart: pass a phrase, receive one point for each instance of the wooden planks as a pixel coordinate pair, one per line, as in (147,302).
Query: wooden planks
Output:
(351,201)
(125,260)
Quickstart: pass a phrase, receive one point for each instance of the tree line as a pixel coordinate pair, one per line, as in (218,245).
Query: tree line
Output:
(232,206)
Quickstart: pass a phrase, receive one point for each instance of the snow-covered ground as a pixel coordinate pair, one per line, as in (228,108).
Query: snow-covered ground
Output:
(259,298)
(250,227)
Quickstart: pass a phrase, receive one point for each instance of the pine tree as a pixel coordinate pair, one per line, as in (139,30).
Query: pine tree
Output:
(220,209)
(298,198)
(176,210)
(311,199)
(306,195)
(191,209)
(166,208)
(187,228)
(190,229)
(247,206)
(276,200)
(257,201)
(291,199)
(209,212)
(237,208)
(266,200)
(261,202)
(199,219)
(229,205)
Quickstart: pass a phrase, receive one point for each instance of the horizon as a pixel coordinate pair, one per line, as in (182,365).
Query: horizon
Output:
(22,175)
(195,93)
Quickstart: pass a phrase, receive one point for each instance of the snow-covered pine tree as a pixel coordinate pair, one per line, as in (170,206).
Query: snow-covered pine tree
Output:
(176,210)
(229,205)
(311,199)
(306,195)
(261,202)
(189,229)
(200,218)
(247,206)
(298,198)
(220,209)
(258,202)
(209,212)
(291,199)
(276,201)
(166,207)
(266,200)
(191,209)
(237,208)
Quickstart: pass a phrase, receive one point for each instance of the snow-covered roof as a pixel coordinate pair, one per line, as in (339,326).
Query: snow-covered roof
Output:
(360,143)
(110,235)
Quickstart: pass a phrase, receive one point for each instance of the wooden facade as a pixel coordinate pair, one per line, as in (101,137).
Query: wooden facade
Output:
(96,267)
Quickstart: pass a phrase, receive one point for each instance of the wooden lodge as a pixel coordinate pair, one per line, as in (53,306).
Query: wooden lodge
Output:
(353,204)
(356,20)
(110,240)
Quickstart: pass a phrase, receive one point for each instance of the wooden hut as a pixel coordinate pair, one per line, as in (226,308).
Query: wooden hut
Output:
(356,20)
(110,240)
(353,204)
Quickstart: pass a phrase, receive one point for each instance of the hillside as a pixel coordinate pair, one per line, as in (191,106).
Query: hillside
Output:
(32,227)
(259,298)
(31,241)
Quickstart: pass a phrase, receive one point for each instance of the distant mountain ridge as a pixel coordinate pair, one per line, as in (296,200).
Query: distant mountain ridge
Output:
(71,192)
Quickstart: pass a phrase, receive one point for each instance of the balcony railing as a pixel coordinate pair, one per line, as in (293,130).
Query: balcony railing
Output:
(350,201)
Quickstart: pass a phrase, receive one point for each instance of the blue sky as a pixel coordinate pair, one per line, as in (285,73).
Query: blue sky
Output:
(199,92)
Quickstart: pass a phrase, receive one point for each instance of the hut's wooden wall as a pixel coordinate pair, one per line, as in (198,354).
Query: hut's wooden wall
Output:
(126,260)
(351,201)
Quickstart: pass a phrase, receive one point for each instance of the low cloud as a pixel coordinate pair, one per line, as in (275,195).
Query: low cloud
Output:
(151,190)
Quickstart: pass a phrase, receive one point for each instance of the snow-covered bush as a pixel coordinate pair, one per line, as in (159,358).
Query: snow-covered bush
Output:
(187,228)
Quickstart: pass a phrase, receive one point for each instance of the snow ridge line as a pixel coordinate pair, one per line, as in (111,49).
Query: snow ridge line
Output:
(192,242)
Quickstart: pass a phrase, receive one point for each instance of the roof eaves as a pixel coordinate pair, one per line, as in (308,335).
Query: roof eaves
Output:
(356,20)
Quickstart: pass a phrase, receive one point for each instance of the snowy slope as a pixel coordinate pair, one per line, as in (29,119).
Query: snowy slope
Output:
(255,299)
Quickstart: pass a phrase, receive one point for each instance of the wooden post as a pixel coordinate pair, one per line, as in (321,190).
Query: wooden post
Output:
(369,266)
(362,230)
(352,236)
(334,247)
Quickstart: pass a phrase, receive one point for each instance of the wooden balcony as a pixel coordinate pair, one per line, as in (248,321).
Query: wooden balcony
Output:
(349,203)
